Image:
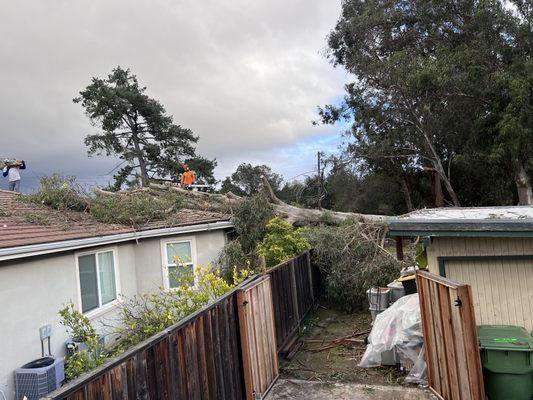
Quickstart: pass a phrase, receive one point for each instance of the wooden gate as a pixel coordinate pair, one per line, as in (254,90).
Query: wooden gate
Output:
(258,337)
(450,336)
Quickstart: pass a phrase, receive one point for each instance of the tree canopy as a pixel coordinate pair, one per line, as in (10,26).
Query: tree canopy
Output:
(437,85)
(246,180)
(137,129)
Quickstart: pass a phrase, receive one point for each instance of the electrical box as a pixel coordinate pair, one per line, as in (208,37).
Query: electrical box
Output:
(45,331)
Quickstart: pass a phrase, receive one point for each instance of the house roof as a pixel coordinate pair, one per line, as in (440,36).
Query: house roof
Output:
(461,221)
(24,224)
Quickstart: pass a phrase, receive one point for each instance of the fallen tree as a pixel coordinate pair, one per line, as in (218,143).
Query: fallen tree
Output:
(292,214)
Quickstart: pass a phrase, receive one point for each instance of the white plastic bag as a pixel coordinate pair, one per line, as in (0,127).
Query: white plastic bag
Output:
(418,374)
(398,327)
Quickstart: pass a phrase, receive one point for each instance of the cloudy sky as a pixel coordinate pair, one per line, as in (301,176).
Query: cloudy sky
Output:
(244,75)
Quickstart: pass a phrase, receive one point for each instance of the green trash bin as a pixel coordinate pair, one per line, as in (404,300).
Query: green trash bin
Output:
(507,359)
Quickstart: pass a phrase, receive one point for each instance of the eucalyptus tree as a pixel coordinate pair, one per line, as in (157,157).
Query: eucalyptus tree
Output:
(428,76)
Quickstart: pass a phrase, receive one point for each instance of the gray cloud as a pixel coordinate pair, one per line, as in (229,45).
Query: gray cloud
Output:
(245,75)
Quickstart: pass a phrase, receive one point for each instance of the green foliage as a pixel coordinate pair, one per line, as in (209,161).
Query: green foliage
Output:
(145,315)
(61,193)
(352,261)
(135,209)
(437,84)
(79,327)
(37,219)
(246,180)
(137,129)
(282,242)
(251,218)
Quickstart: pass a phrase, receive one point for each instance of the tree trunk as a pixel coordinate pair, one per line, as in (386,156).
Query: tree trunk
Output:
(404,184)
(436,187)
(145,182)
(523,185)
(437,164)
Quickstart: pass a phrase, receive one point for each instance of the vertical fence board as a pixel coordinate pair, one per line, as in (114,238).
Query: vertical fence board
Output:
(257,321)
(450,336)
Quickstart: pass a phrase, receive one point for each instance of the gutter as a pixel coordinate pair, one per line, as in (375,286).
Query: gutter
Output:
(67,245)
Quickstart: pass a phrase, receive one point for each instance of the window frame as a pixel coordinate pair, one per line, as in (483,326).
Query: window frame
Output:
(164,256)
(101,309)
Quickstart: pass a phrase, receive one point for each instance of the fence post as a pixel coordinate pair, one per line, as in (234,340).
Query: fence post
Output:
(310,272)
(294,293)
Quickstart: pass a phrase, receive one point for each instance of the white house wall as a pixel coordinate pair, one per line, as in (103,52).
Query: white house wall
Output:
(150,263)
(32,291)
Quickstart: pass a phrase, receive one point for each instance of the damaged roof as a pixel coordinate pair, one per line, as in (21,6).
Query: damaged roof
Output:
(465,221)
(26,226)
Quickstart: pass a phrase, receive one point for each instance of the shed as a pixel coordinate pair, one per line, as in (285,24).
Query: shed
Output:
(488,248)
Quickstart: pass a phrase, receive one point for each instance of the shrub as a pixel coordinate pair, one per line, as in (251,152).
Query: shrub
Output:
(353,260)
(145,315)
(250,219)
(79,327)
(282,242)
(60,192)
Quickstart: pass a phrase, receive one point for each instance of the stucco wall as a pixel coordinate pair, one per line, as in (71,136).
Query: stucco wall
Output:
(33,290)
(149,260)
(502,289)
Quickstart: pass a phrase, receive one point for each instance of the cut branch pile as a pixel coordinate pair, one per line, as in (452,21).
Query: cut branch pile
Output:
(330,344)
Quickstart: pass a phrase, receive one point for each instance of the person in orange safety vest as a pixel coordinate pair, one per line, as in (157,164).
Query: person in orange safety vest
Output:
(188,177)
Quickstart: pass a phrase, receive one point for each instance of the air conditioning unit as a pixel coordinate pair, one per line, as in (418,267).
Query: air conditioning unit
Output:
(39,377)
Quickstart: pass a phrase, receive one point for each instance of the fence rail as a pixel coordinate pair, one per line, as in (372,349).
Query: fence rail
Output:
(200,357)
(451,347)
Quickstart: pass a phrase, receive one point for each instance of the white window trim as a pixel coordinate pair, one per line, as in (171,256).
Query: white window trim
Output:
(164,256)
(112,304)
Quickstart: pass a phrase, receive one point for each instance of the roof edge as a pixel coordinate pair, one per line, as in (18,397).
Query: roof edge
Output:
(12,253)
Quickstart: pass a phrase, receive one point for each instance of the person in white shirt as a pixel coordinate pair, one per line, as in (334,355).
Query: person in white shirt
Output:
(11,170)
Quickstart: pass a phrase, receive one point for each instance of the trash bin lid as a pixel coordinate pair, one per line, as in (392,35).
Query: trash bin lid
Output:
(504,337)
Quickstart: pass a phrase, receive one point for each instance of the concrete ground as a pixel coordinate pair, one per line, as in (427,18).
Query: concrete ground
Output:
(314,390)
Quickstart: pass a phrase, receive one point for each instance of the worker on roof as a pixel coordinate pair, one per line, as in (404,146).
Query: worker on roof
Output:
(11,170)
(188,177)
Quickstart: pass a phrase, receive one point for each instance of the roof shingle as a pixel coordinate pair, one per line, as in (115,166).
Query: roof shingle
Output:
(23,223)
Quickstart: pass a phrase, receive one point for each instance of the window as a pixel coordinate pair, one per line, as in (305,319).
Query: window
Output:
(179,258)
(97,279)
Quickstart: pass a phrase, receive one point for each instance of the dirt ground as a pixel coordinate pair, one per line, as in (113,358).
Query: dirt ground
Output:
(333,374)
(339,363)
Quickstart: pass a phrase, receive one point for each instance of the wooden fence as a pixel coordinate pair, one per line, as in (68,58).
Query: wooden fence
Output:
(450,336)
(296,285)
(201,357)
(258,339)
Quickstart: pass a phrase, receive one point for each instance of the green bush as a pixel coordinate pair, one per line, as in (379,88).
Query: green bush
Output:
(250,219)
(352,262)
(145,315)
(282,242)
(61,193)
(79,327)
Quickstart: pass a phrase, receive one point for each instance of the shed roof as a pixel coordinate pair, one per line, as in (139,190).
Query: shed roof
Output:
(24,224)
(462,221)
